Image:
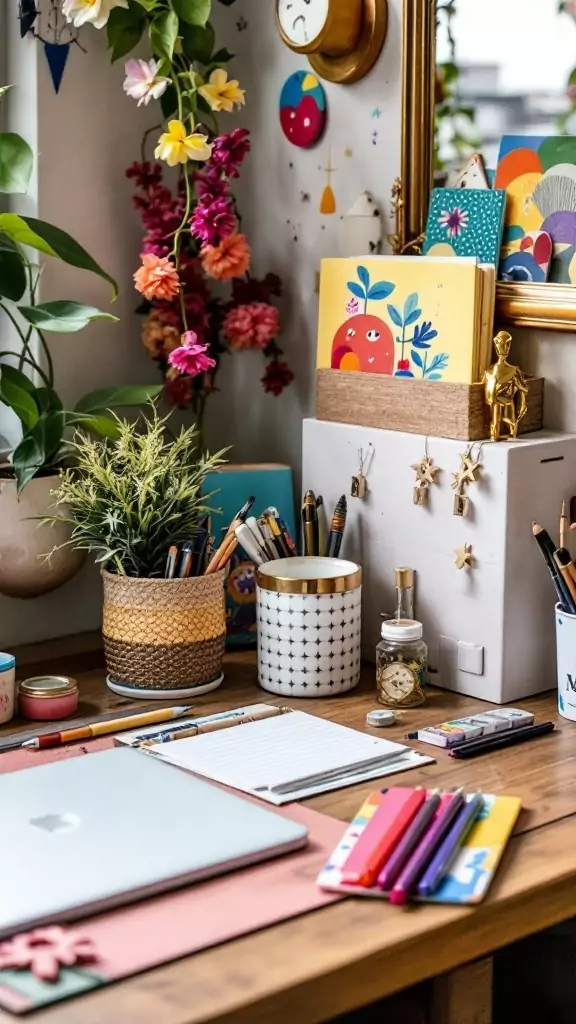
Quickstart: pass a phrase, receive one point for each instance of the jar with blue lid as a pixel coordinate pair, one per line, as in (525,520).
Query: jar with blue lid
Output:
(7,687)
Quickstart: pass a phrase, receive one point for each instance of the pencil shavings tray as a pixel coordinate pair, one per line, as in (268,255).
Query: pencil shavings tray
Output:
(472,870)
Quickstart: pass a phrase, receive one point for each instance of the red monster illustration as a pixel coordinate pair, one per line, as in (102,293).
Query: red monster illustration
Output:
(365,343)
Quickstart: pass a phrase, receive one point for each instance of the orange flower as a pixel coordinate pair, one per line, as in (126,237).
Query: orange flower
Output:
(229,259)
(158,337)
(157,278)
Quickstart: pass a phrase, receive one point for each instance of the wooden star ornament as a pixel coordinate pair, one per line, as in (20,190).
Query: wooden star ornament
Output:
(425,475)
(469,469)
(464,557)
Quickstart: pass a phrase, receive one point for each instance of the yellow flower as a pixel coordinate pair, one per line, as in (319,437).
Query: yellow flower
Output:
(220,94)
(175,147)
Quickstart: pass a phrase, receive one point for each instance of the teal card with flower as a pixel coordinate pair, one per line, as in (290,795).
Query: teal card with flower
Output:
(466,222)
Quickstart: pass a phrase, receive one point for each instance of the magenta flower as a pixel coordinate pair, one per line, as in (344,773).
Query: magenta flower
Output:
(353,307)
(211,185)
(212,222)
(191,357)
(454,221)
(229,152)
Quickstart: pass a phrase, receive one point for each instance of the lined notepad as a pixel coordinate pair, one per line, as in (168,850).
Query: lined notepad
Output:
(289,757)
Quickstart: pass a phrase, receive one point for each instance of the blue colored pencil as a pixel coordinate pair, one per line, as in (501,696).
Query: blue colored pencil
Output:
(440,863)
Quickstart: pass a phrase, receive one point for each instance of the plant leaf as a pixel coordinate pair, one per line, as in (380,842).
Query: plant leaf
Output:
(63,316)
(410,304)
(356,290)
(19,400)
(68,250)
(17,377)
(412,317)
(434,376)
(416,358)
(16,163)
(4,90)
(193,12)
(124,28)
(381,290)
(101,426)
(148,5)
(12,271)
(112,398)
(420,344)
(364,277)
(197,42)
(163,34)
(46,399)
(222,56)
(38,447)
(395,315)
(15,228)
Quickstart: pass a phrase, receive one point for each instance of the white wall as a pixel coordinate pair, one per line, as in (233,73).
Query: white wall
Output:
(85,137)
(261,426)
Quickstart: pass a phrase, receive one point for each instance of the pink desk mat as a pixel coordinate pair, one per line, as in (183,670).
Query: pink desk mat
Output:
(155,931)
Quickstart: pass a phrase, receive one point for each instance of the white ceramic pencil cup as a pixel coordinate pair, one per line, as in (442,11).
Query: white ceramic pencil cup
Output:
(309,624)
(566,657)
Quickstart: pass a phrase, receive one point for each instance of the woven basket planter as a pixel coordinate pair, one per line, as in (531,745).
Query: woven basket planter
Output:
(164,634)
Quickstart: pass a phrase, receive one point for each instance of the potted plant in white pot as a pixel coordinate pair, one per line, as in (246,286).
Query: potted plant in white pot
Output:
(27,387)
(128,500)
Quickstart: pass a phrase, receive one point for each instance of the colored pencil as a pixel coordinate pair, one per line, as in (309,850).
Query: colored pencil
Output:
(408,843)
(497,741)
(410,876)
(86,732)
(442,859)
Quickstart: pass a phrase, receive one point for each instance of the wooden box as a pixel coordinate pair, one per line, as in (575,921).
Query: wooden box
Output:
(415,406)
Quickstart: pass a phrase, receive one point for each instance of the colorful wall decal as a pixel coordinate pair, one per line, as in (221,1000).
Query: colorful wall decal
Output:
(400,315)
(361,228)
(302,109)
(469,222)
(529,260)
(539,175)
(328,199)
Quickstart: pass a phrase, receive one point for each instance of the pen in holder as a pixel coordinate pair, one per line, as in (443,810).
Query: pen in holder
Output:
(309,622)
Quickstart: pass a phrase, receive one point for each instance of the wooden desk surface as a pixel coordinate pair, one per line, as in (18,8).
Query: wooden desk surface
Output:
(357,951)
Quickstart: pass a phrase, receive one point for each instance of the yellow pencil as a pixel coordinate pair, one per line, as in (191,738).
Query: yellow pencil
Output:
(87,732)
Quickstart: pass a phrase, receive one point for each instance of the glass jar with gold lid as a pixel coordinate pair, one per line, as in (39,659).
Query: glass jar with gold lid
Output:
(401,659)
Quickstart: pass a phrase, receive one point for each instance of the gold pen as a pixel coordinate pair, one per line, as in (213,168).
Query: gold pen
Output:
(310,524)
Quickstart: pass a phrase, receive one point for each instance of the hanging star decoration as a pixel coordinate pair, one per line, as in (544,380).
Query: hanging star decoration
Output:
(425,475)
(467,474)
(464,557)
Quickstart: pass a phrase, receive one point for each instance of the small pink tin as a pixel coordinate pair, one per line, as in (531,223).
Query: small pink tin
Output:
(46,698)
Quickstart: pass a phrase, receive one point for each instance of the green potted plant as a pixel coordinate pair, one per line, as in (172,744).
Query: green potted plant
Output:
(127,500)
(27,385)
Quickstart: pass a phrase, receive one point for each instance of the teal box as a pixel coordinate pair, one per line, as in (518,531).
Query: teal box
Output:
(271,484)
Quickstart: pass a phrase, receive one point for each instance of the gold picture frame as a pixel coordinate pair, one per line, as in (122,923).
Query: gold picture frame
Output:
(546,306)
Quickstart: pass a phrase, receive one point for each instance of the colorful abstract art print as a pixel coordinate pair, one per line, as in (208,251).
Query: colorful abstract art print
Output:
(539,175)
(302,109)
(399,316)
(530,261)
(466,222)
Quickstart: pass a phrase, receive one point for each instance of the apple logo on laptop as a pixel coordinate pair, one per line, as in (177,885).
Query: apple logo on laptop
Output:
(56,822)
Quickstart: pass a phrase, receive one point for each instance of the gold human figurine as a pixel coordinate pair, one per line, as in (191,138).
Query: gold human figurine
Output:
(505,389)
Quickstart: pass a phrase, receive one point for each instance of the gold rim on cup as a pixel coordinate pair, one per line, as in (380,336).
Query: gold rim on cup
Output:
(312,585)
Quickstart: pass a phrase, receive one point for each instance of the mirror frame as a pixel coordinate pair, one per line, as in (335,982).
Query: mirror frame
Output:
(545,306)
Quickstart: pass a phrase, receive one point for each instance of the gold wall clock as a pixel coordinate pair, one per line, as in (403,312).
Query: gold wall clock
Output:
(342,38)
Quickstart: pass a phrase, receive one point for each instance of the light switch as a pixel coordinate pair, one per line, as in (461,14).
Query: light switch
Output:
(470,658)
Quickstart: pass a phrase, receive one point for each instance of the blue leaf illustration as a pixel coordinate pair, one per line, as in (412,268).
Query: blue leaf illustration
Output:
(395,316)
(403,373)
(381,290)
(410,306)
(424,333)
(434,376)
(439,362)
(412,317)
(416,358)
(364,277)
(419,344)
(356,290)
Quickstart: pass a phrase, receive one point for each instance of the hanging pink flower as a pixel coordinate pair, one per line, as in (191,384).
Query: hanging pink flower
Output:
(191,357)
(212,222)
(251,326)
(142,82)
(44,951)
(229,151)
(276,377)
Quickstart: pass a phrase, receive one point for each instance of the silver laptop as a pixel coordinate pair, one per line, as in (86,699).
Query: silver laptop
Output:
(91,833)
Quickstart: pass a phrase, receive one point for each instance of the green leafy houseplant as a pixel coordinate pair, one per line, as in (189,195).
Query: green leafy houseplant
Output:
(27,382)
(129,498)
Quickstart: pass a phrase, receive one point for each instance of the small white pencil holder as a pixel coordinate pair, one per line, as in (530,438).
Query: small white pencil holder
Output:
(566,658)
(309,624)
(7,687)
